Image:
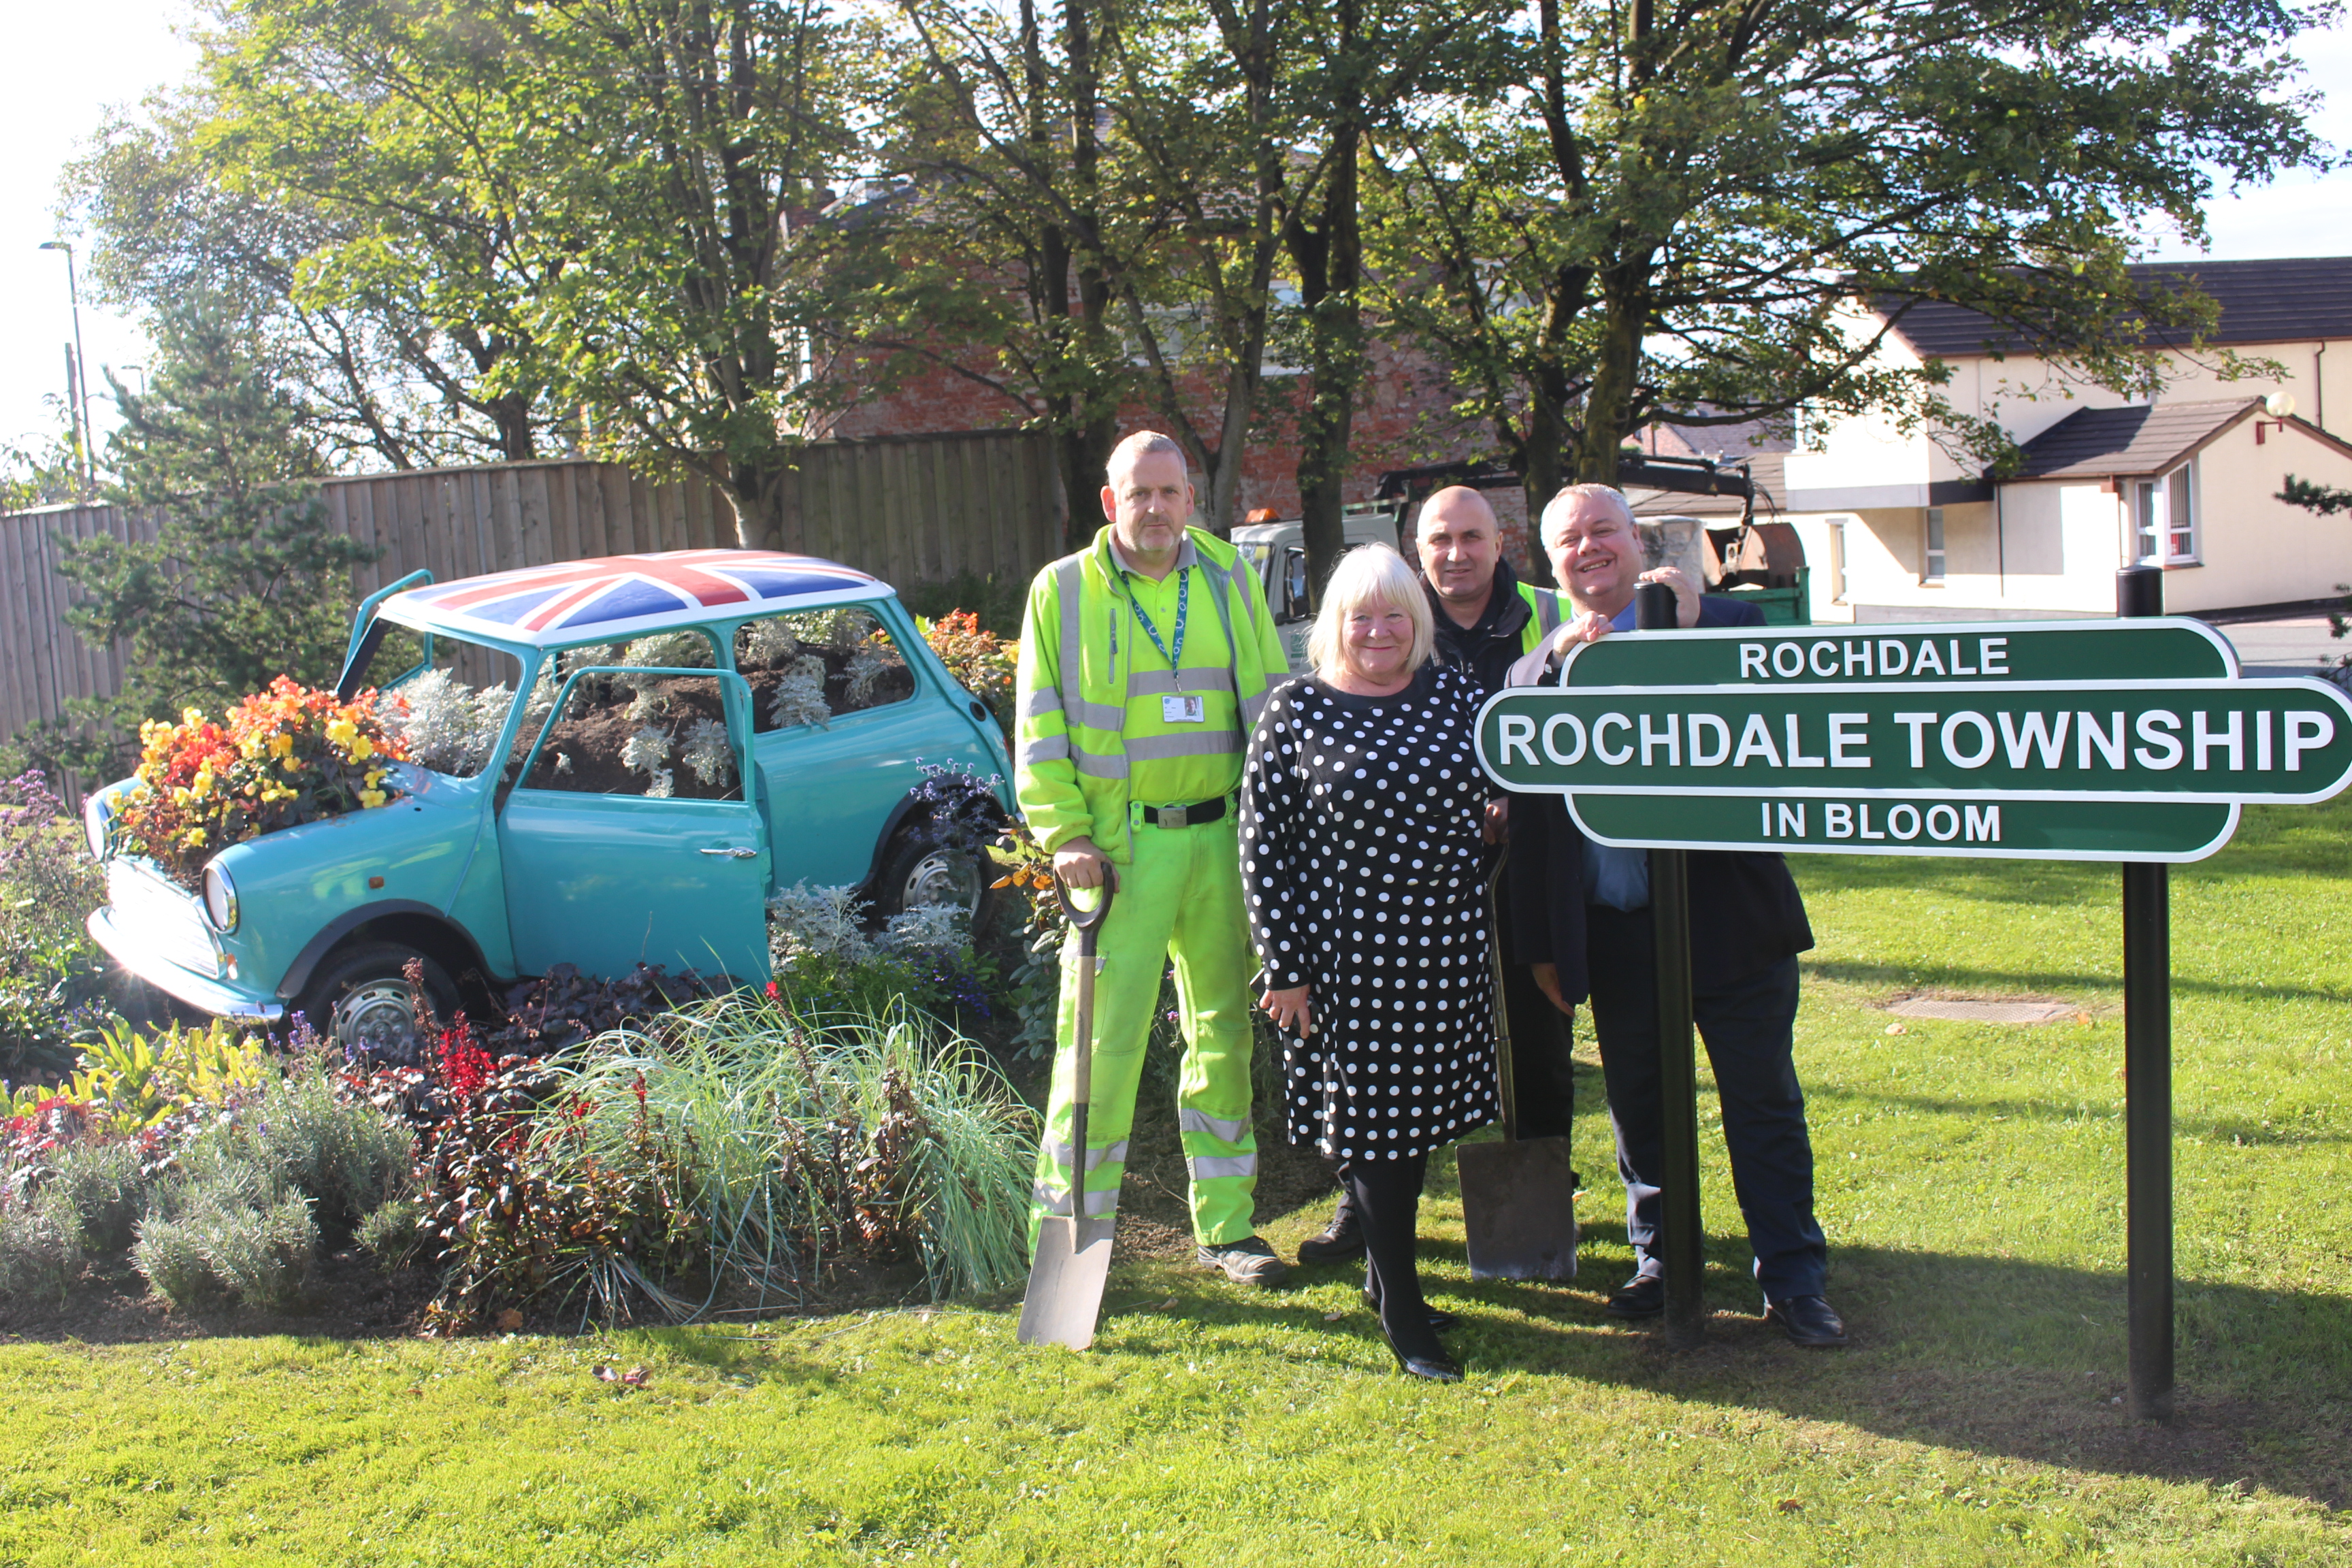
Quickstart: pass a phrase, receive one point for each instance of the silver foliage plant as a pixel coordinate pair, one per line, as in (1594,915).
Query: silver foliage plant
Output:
(926,928)
(447,725)
(769,645)
(705,751)
(822,921)
(645,751)
(798,697)
(868,667)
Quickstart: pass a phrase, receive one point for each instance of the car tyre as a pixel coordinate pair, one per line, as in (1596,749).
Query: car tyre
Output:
(358,1000)
(918,869)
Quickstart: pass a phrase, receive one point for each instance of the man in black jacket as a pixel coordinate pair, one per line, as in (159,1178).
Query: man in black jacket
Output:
(1579,912)
(1487,620)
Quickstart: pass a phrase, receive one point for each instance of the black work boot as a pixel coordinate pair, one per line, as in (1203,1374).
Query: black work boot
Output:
(1343,1239)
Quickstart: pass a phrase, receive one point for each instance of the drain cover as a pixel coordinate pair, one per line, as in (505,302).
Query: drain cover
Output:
(1967,1011)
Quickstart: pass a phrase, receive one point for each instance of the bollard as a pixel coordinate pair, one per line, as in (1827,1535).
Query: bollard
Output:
(1685,1240)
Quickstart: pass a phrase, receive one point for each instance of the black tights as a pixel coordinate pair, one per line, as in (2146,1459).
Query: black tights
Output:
(1386,1196)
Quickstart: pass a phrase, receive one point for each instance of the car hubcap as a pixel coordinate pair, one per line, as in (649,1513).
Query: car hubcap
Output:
(941,878)
(378,1018)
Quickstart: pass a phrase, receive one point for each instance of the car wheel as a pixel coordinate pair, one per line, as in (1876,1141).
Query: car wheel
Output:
(359,999)
(918,869)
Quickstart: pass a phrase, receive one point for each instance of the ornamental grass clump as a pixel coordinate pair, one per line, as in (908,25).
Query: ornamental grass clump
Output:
(801,1140)
(287,756)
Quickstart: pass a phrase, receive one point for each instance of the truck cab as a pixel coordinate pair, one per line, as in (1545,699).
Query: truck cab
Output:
(1277,551)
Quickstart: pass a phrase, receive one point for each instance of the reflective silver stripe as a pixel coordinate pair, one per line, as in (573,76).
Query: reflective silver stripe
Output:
(1070,657)
(1096,765)
(1210,1167)
(1251,708)
(1042,703)
(1547,612)
(1215,1127)
(1155,748)
(1044,749)
(1060,1154)
(1098,1203)
(1098,715)
(1157,682)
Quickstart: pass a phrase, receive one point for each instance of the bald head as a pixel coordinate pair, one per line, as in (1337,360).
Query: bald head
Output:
(1459,546)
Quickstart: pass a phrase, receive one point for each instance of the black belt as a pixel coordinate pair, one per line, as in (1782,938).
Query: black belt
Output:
(1192,815)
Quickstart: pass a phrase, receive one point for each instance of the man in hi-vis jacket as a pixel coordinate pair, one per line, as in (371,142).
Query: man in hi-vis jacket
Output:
(1145,659)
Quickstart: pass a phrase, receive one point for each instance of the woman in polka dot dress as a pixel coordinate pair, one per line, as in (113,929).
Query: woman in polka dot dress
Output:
(1360,809)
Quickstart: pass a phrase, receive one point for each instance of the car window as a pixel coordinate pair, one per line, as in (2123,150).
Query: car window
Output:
(814,666)
(635,732)
(445,698)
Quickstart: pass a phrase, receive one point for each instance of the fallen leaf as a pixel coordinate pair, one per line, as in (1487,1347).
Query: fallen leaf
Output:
(634,1377)
(2083,1019)
(1334,1317)
(1168,1303)
(510,1320)
(607,1374)
(1897,1029)
(1790,1505)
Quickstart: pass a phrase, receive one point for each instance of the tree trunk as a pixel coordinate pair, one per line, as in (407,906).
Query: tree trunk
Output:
(1331,256)
(1625,313)
(759,491)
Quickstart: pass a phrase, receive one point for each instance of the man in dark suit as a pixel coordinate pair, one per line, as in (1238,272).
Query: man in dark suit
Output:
(1581,915)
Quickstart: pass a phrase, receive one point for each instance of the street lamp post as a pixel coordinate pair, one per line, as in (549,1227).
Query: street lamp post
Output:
(79,392)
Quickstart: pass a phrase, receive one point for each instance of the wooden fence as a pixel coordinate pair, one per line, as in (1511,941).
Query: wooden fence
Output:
(920,508)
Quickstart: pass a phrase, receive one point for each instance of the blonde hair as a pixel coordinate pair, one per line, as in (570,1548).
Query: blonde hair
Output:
(1369,573)
(1556,511)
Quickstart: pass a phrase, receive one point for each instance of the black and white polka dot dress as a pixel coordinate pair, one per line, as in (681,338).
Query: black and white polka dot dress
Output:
(1359,855)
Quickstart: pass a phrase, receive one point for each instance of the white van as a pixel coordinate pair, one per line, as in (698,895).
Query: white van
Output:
(1278,551)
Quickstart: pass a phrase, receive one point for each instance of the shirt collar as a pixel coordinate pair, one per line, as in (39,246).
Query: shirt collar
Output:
(1628,618)
(1186,555)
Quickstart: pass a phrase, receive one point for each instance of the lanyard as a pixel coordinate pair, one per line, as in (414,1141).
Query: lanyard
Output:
(1183,606)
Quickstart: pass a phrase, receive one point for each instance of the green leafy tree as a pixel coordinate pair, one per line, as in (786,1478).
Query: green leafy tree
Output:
(243,581)
(1647,212)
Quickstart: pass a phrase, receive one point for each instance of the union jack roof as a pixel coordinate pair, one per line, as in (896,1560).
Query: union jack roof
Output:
(617,596)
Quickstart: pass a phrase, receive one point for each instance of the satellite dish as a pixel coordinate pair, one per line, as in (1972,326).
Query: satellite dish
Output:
(2279,405)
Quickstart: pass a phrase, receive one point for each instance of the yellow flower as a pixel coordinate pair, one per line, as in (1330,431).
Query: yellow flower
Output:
(361,749)
(281,745)
(192,716)
(293,764)
(371,798)
(195,838)
(342,732)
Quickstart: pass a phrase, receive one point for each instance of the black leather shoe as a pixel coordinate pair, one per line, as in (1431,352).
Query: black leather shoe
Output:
(1341,1239)
(1438,1368)
(1642,1295)
(1808,1320)
(1438,1320)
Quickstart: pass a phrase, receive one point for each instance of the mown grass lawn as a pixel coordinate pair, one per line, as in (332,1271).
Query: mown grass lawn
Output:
(1971,1184)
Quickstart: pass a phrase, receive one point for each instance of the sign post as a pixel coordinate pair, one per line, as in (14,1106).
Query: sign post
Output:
(2148,1091)
(2133,741)
(1685,1237)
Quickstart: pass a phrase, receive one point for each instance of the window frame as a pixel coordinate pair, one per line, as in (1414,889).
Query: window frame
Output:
(1935,557)
(2148,506)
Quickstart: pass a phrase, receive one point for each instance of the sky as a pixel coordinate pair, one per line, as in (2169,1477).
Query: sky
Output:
(76,62)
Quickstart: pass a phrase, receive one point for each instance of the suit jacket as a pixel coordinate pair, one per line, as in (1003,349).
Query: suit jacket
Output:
(1746,913)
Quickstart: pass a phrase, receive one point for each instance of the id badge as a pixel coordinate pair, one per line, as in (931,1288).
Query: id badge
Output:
(1186,708)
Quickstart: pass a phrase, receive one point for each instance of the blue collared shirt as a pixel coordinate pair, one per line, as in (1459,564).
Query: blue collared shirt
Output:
(1618,878)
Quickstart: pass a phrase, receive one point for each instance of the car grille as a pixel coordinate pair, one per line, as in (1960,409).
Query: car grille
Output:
(160,916)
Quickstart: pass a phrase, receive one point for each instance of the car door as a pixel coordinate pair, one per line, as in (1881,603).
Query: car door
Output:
(840,721)
(630,838)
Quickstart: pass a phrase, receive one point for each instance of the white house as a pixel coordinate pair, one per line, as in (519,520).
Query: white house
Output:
(1898,528)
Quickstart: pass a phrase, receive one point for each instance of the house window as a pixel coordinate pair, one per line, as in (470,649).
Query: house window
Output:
(1935,571)
(2164,518)
(1837,561)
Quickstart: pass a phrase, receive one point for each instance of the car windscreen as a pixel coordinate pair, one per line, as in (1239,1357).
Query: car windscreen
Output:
(446,698)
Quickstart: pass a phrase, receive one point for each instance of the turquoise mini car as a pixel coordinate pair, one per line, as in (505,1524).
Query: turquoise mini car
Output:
(613,762)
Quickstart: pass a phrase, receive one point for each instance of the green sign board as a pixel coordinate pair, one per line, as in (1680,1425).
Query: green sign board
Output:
(2108,740)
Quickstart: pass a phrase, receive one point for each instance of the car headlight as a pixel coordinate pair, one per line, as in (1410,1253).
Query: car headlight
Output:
(97,821)
(220,898)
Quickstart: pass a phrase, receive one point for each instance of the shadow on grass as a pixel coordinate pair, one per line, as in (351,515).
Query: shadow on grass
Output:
(2014,981)
(2243,1131)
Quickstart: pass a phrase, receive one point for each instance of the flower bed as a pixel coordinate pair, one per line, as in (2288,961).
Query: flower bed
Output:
(286,756)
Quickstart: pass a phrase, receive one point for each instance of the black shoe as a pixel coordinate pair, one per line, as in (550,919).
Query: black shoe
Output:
(1341,1239)
(1642,1295)
(1438,1320)
(1437,1367)
(1808,1320)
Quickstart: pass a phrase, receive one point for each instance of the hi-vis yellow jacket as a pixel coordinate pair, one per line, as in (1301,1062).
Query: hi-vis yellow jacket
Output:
(1094,736)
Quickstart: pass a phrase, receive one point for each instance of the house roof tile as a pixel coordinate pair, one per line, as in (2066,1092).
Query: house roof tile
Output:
(2283,301)
(2094,443)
